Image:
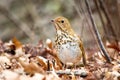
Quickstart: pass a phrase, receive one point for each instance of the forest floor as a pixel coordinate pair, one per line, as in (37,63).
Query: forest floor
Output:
(27,62)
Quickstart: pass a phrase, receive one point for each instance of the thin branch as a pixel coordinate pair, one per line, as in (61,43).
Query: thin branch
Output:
(100,15)
(97,33)
(81,73)
(103,6)
(86,17)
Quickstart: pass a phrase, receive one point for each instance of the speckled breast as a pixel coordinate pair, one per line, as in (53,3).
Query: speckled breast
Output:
(68,50)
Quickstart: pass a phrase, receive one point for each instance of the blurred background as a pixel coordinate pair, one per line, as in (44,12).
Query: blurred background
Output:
(29,20)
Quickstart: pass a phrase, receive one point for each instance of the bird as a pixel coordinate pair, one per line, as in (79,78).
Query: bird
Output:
(68,45)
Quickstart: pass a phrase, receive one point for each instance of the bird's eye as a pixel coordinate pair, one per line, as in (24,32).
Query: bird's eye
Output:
(62,21)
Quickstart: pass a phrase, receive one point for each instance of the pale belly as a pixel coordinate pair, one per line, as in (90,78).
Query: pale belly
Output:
(69,53)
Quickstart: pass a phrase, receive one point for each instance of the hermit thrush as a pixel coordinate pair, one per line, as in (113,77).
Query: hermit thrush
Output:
(68,45)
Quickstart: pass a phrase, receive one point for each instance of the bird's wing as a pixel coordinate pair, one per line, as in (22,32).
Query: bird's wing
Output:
(83,51)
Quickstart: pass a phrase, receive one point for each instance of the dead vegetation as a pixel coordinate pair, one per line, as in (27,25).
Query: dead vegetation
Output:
(25,61)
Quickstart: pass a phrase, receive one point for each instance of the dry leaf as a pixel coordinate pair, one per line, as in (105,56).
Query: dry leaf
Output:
(16,42)
(49,43)
(31,67)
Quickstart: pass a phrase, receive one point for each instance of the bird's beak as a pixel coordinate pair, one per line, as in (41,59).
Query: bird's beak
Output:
(52,20)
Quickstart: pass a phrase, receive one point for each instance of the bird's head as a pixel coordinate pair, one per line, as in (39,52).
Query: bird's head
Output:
(62,24)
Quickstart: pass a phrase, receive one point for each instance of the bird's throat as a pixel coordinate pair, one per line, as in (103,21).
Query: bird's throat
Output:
(59,32)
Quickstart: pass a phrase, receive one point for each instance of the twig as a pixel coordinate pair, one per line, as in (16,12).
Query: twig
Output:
(69,72)
(86,17)
(100,15)
(97,33)
(103,6)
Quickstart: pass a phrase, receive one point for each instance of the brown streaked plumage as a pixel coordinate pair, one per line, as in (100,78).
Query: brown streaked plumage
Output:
(68,45)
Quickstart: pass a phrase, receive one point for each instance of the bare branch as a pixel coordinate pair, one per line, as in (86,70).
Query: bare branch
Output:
(103,6)
(82,73)
(100,15)
(97,33)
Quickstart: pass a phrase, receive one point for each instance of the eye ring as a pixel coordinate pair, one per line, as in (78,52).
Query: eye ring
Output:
(62,21)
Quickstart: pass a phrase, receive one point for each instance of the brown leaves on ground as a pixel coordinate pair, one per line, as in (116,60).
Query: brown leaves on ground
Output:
(28,62)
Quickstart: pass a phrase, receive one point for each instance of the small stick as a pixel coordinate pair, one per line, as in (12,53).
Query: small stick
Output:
(81,73)
(100,15)
(103,6)
(97,34)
